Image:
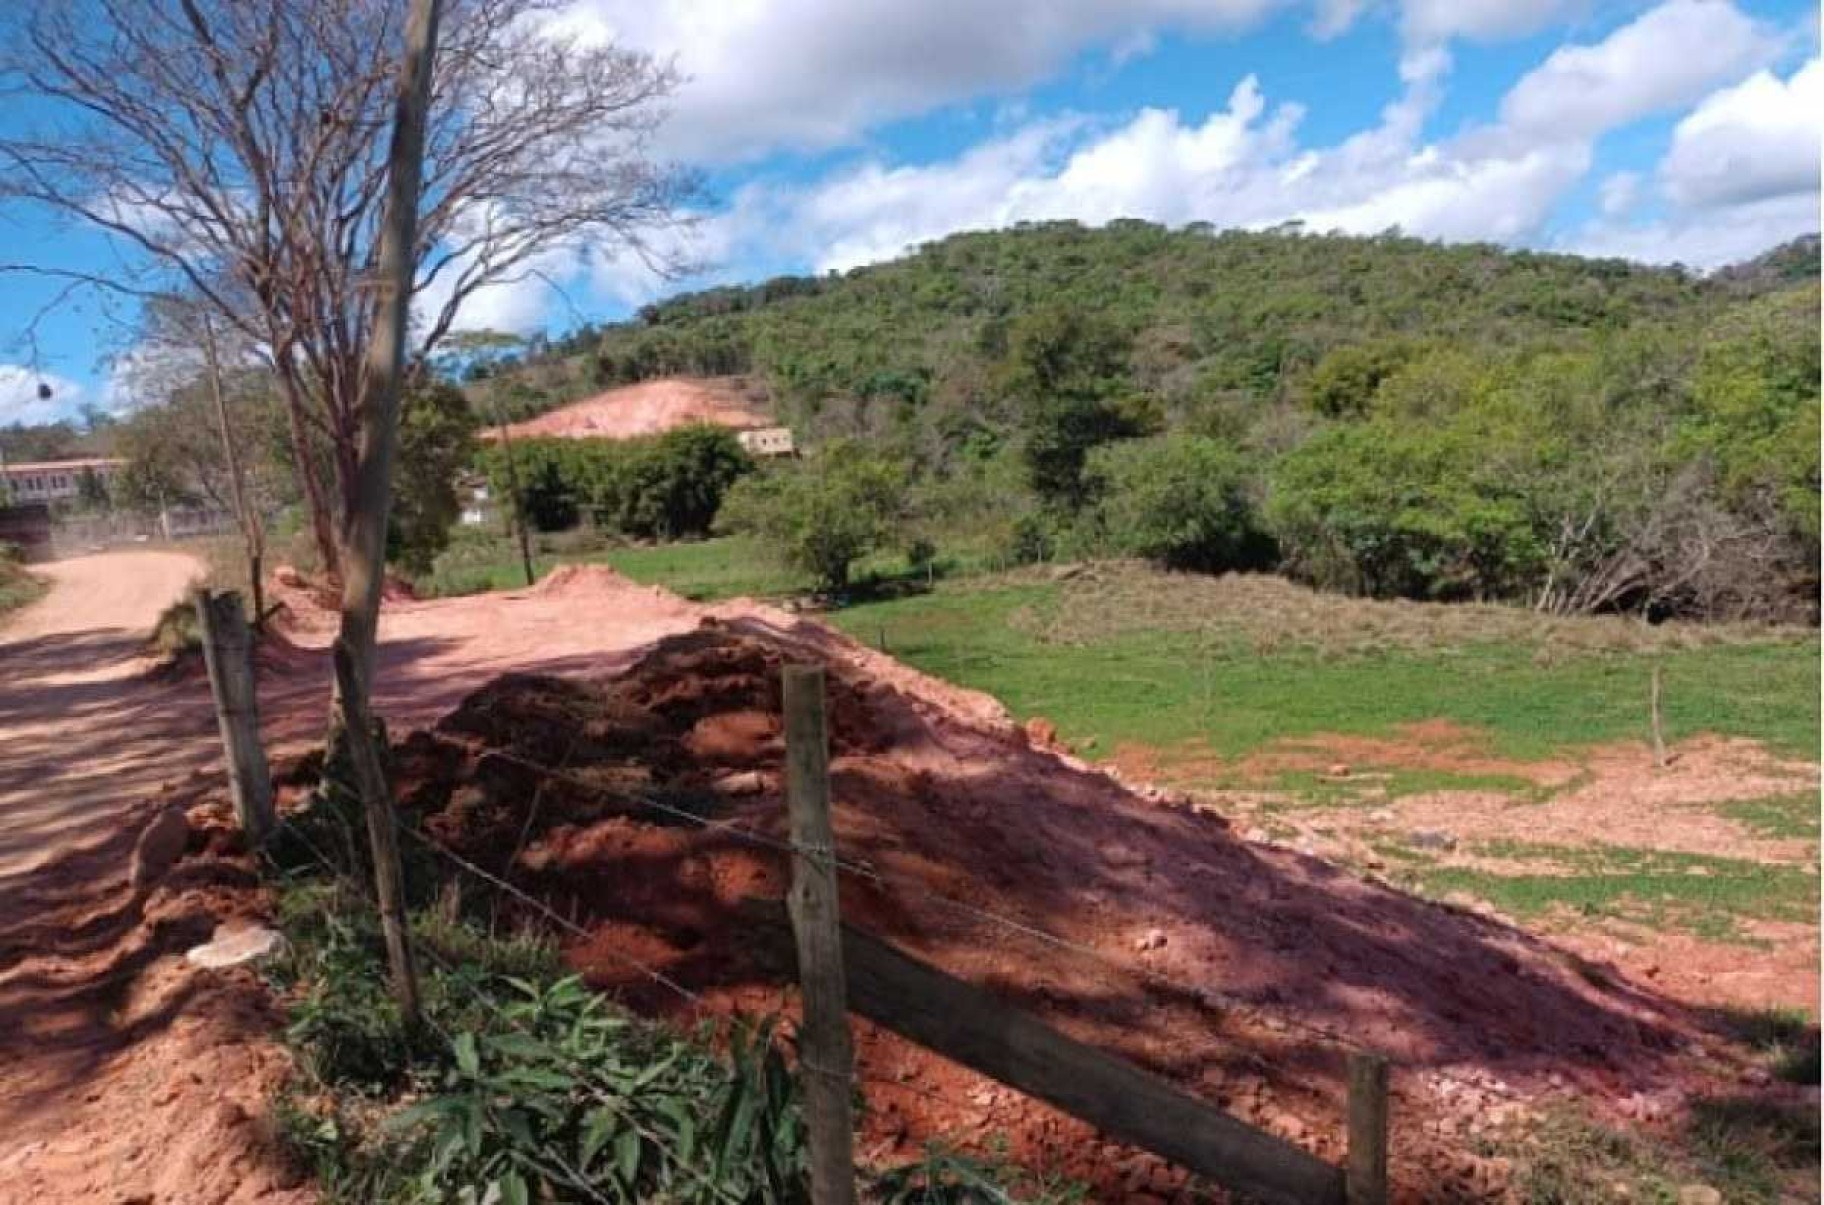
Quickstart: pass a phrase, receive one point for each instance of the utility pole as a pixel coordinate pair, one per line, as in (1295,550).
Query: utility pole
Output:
(519,501)
(364,531)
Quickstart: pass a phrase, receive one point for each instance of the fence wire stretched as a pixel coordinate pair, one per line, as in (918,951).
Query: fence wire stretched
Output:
(907,887)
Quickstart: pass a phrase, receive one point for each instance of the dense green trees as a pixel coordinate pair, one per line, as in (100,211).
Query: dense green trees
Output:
(1185,501)
(669,486)
(823,514)
(1392,416)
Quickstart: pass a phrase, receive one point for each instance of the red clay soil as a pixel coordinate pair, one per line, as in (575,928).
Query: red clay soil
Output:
(127,1074)
(124,1076)
(648,408)
(1231,961)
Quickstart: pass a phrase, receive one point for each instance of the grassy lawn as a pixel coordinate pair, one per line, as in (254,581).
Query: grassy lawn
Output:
(1793,817)
(1236,664)
(1533,697)
(1663,890)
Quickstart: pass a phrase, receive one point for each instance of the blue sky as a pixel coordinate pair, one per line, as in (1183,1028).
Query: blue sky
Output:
(838,132)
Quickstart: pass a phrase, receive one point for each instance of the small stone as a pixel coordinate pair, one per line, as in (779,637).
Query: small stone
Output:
(1153,939)
(234,947)
(746,782)
(1699,1194)
(1381,816)
(1338,770)
(1431,838)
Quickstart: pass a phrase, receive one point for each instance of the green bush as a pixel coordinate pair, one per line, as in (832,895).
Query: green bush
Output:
(664,487)
(825,513)
(1182,501)
(436,440)
(1391,510)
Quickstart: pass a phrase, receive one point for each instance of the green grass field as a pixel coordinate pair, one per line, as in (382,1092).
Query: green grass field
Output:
(1129,656)
(1660,889)
(1163,687)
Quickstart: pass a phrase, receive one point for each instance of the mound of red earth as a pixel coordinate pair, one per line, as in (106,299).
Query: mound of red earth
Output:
(648,408)
(1228,967)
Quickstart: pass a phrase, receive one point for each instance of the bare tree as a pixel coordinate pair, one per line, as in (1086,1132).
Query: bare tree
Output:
(383,378)
(200,433)
(238,149)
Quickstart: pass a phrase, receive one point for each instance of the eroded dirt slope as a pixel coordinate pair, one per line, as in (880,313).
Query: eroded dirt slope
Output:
(1236,965)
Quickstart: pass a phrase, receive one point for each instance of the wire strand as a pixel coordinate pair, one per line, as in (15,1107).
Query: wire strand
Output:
(1210,997)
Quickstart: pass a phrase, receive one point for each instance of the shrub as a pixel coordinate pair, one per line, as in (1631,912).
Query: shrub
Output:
(1385,509)
(670,487)
(436,439)
(1182,501)
(1344,382)
(665,487)
(824,514)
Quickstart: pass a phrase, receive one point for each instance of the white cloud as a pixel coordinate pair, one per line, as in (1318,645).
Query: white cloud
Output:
(1665,58)
(1707,239)
(764,75)
(1432,21)
(813,74)
(1741,176)
(1756,140)
(1618,193)
(1241,166)
(19,400)
(1245,166)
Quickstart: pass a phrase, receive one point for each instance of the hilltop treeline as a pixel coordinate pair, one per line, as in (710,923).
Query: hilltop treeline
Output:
(1379,415)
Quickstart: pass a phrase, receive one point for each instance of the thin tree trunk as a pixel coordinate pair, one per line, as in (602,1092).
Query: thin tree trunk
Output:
(518,499)
(253,537)
(364,562)
(322,523)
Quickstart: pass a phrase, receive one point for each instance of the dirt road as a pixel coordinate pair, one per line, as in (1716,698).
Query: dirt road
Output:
(83,735)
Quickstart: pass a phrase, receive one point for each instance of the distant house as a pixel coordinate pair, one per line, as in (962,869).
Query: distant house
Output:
(55,480)
(766,442)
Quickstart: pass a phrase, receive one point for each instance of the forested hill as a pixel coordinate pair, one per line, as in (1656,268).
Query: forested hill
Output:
(1206,311)
(1332,368)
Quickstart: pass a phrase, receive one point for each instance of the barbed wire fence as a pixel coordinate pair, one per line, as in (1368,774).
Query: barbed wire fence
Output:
(1368,1188)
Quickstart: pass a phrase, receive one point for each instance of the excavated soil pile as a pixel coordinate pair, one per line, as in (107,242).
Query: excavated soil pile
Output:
(1231,962)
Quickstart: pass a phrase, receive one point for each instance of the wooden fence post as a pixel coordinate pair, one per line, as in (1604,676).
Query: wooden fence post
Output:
(228,653)
(825,1046)
(1367,1167)
(1659,732)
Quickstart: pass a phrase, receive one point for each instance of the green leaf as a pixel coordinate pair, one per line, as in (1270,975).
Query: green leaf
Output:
(627,1151)
(597,1127)
(468,1058)
(514,1190)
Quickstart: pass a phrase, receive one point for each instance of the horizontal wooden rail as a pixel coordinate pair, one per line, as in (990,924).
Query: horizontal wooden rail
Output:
(970,1026)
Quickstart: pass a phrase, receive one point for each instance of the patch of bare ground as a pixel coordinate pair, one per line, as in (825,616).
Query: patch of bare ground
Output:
(1617,796)
(126,1073)
(651,408)
(1613,798)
